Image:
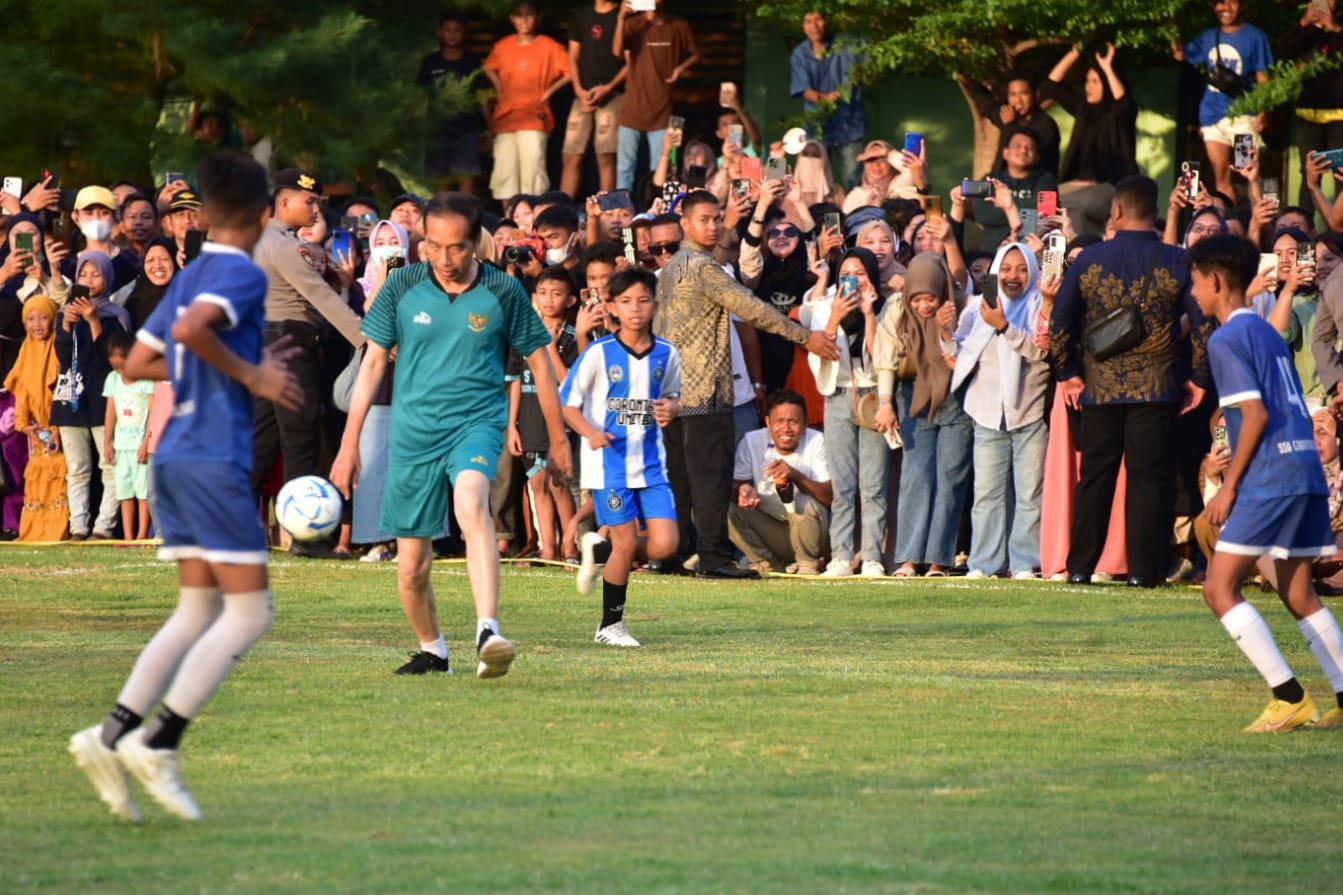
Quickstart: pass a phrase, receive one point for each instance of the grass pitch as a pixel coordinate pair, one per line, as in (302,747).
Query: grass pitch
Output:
(777,736)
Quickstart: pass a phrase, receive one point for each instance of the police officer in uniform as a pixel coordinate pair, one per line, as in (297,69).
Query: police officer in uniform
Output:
(297,302)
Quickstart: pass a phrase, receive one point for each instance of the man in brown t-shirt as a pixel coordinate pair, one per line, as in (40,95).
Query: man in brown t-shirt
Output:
(662,48)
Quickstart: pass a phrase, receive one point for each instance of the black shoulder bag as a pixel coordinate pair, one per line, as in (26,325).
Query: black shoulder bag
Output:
(1223,76)
(1121,329)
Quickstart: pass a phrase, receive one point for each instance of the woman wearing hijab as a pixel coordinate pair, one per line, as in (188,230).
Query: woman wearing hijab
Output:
(46,513)
(936,431)
(887,175)
(1006,377)
(81,345)
(877,237)
(773,265)
(142,295)
(859,458)
(1102,150)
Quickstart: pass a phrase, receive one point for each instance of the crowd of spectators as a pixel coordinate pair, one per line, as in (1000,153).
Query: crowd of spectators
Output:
(882,375)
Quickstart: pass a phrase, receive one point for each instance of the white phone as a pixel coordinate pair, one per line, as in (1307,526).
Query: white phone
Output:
(14,186)
(1056,246)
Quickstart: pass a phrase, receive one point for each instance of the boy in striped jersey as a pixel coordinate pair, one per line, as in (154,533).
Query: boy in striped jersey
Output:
(623,389)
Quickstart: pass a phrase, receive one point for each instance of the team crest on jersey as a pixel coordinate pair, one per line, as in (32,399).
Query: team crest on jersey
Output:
(615,374)
(423,318)
(657,373)
(477,322)
(614,500)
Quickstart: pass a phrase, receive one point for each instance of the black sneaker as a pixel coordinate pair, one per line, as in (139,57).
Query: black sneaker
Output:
(423,663)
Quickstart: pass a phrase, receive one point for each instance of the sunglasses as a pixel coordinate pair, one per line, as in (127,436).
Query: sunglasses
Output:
(789,232)
(664,248)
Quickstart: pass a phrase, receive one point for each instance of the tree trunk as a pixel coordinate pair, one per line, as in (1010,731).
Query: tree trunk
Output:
(987,134)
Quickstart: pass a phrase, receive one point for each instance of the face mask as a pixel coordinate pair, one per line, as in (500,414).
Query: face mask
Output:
(96,230)
(386,253)
(557,256)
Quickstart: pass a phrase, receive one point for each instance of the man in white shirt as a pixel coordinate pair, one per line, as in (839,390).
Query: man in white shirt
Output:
(780,515)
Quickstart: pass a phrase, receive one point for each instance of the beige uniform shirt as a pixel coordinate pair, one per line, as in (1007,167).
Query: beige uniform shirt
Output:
(297,292)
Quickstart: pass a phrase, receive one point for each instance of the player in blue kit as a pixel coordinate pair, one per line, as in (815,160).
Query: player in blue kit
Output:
(621,391)
(451,320)
(1274,499)
(205,337)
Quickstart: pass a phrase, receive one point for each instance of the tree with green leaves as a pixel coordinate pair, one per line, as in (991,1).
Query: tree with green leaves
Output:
(104,90)
(986,40)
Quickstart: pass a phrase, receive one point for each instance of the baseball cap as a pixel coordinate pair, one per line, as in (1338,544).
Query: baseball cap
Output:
(95,195)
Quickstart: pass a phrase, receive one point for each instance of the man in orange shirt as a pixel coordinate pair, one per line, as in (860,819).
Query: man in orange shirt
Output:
(526,69)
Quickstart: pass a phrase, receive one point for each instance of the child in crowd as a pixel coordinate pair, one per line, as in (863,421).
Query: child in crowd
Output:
(552,502)
(126,437)
(1274,499)
(210,323)
(46,513)
(623,389)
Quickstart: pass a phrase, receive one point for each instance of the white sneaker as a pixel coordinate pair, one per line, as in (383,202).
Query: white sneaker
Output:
(976,574)
(589,570)
(616,635)
(104,771)
(1024,576)
(496,654)
(160,772)
(838,568)
(873,569)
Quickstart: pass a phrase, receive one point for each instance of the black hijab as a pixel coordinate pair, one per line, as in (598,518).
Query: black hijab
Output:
(144,296)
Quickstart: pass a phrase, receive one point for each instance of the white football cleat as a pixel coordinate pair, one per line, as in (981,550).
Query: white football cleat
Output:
(103,769)
(616,635)
(160,772)
(589,569)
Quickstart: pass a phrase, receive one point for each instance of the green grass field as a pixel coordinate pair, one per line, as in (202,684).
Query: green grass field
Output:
(778,736)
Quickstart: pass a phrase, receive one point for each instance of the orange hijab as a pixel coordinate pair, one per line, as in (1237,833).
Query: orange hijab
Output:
(33,378)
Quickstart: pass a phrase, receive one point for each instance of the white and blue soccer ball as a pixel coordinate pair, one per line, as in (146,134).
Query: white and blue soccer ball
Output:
(308,507)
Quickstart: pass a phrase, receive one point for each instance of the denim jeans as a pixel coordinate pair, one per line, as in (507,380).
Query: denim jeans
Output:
(627,157)
(934,476)
(858,461)
(1009,484)
(83,447)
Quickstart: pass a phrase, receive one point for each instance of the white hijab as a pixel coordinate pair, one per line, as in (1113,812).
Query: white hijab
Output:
(1020,312)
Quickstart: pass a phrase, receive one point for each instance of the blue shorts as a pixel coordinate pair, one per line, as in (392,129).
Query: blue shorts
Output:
(1281,527)
(616,506)
(206,510)
(415,497)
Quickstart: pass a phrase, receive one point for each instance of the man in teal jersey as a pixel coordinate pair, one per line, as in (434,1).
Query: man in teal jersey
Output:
(451,320)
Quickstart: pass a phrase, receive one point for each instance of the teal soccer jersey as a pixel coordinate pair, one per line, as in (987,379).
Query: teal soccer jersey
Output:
(450,353)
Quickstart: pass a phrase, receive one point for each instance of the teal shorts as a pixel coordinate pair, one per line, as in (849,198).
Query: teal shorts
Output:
(415,499)
(132,476)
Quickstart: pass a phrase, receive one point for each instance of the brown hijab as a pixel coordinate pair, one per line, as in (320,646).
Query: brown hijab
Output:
(927,274)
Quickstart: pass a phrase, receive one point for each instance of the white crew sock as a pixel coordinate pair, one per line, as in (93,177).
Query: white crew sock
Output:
(1248,628)
(483,623)
(438,647)
(246,617)
(1326,642)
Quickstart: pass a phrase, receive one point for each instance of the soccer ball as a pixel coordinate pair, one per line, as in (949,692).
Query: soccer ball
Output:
(308,507)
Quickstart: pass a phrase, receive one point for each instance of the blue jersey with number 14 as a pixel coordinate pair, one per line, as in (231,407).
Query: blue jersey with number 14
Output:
(212,413)
(1250,361)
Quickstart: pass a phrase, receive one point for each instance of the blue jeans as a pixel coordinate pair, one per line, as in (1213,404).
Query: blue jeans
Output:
(858,461)
(1009,483)
(627,156)
(933,480)
(744,419)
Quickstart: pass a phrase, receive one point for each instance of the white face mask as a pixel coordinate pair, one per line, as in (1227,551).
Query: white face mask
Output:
(96,230)
(557,256)
(385,253)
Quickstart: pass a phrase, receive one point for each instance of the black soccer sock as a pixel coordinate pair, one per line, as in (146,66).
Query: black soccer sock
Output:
(120,721)
(613,603)
(1338,697)
(601,552)
(1292,691)
(167,729)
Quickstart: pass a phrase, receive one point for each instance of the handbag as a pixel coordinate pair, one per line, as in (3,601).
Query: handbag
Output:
(342,392)
(864,407)
(1121,329)
(1222,76)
